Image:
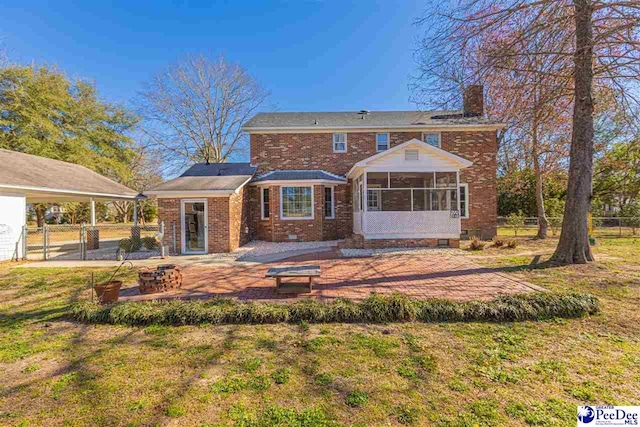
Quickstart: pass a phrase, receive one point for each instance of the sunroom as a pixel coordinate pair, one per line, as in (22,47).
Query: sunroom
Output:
(411,191)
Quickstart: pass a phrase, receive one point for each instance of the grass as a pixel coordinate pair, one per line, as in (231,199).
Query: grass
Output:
(58,372)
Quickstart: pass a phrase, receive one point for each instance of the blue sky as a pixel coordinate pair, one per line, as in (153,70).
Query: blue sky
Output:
(311,55)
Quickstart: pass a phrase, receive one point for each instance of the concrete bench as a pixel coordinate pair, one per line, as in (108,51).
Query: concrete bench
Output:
(278,273)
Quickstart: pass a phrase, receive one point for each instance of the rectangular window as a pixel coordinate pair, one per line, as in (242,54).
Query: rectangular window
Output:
(431,138)
(264,203)
(339,142)
(329,209)
(373,200)
(296,202)
(382,141)
(464,200)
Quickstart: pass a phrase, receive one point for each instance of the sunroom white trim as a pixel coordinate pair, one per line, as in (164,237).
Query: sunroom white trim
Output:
(456,162)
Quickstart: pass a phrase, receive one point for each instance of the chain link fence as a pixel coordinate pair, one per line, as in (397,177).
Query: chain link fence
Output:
(86,242)
(602,226)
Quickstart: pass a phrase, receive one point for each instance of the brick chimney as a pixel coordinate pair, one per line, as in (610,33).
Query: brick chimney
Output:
(474,101)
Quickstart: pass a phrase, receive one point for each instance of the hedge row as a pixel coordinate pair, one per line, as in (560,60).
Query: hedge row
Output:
(374,309)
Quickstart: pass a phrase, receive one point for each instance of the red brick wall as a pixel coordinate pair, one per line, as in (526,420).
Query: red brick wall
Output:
(315,151)
(169,212)
(239,211)
(277,229)
(227,220)
(481,149)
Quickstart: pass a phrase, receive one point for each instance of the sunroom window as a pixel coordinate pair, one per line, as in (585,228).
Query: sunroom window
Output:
(412,191)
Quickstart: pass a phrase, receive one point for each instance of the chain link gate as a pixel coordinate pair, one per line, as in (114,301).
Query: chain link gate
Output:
(86,242)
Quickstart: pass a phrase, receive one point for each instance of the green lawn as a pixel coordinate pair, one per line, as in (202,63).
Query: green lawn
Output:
(56,372)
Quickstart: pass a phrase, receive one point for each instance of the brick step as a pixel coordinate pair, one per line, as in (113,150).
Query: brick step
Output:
(355,241)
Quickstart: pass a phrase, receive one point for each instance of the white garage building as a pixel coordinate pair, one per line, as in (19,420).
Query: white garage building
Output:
(25,178)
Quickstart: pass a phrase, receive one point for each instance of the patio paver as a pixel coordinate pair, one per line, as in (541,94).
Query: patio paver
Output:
(420,276)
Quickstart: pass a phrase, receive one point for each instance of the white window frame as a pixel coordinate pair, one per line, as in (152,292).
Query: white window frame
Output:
(296,218)
(373,202)
(333,203)
(465,214)
(378,150)
(183,234)
(424,139)
(262,190)
(334,142)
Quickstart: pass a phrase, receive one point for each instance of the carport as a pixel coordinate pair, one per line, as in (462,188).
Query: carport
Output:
(26,178)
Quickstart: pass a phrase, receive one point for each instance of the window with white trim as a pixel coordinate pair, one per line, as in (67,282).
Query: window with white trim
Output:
(264,203)
(373,200)
(329,207)
(464,201)
(339,142)
(431,138)
(382,142)
(296,202)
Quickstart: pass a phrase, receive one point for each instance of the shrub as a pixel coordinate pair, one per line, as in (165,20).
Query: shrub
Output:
(125,245)
(498,242)
(512,244)
(516,221)
(394,308)
(476,244)
(131,244)
(149,243)
(136,243)
(356,398)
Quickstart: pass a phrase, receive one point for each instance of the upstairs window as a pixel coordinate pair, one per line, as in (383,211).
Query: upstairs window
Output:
(382,142)
(431,138)
(339,142)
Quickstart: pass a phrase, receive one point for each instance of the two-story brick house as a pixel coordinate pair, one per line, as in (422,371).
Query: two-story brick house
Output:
(376,179)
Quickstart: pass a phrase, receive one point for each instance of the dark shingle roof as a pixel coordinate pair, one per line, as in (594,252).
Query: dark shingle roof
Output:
(26,170)
(298,175)
(209,177)
(220,169)
(352,119)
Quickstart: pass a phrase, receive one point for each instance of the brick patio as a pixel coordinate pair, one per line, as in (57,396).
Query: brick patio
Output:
(422,276)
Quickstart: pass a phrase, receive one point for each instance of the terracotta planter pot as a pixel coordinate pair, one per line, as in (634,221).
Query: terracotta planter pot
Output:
(108,292)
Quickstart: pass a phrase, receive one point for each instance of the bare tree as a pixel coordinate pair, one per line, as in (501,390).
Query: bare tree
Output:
(599,37)
(144,172)
(194,110)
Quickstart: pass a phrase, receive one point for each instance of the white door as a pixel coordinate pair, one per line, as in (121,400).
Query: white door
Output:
(193,216)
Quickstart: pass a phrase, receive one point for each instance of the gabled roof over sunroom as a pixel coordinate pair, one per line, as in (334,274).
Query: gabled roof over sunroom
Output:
(411,155)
